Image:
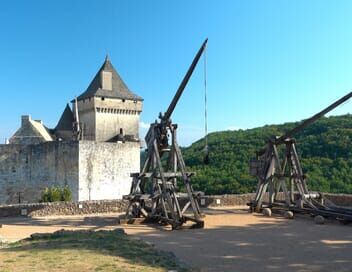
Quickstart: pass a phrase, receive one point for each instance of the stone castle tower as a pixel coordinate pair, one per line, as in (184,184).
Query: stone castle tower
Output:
(108,108)
(38,157)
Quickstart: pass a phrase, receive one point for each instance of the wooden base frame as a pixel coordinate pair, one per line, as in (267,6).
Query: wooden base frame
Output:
(285,176)
(155,194)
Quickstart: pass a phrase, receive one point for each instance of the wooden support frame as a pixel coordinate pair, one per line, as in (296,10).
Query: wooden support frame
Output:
(280,175)
(285,175)
(274,175)
(154,192)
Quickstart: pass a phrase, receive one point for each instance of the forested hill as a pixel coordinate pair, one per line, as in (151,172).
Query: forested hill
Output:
(325,149)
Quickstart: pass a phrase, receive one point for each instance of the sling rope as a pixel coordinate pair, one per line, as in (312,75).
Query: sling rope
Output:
(206,148)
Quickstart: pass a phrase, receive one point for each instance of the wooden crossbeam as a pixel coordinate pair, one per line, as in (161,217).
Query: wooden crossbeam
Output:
(154,191)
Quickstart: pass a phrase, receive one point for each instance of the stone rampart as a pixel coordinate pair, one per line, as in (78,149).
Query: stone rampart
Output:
(91,170)
(25,170)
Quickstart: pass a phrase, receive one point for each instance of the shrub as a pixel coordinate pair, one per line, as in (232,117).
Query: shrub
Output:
(54,194)
(45,195)
(66,194)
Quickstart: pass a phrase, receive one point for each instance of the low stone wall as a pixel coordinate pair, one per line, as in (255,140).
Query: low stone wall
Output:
(105,206)
(119,206)
(344,200)
(226,200)
(64,208)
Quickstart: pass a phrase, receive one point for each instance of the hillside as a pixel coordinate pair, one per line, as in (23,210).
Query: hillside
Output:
(325,149)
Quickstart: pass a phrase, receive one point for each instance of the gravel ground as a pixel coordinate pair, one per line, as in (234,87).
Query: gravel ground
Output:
(232,240)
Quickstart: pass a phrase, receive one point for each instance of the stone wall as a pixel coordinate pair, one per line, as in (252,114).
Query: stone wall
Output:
(64,208)
(108,124)
(344,200)
(115,114)
(105,168)
(91,170)
(119,206)
(103,119)
(25,170)
(86,114)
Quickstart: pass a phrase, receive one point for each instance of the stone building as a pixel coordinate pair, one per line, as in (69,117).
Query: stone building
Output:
(31,132)
(108,107)
(93,148)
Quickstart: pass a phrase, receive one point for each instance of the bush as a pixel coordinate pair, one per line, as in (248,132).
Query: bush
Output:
(54,194)
(66,194)
(45,195)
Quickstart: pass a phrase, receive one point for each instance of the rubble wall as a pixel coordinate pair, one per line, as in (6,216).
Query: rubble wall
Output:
(25,170)
(119,206)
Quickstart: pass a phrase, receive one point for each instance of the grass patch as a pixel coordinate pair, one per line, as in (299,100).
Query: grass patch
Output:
(86,251)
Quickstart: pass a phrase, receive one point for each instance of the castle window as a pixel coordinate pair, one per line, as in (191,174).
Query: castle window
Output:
(103,98)
(121,131)
(123,100)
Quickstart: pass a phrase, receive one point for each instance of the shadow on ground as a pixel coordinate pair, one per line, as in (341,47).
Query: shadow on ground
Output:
(234,240)
(98,244)
(275,245)
(68,222)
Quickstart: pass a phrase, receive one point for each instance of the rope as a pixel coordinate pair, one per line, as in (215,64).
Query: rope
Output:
(206,148)
(205,99)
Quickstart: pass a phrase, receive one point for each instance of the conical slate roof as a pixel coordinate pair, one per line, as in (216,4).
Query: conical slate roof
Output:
(119,88)
(66,120)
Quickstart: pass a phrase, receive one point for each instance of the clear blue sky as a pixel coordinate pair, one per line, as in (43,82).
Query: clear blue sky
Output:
(268,61)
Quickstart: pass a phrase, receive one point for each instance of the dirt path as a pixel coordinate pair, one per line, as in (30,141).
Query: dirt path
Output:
(232,240)
(17,228)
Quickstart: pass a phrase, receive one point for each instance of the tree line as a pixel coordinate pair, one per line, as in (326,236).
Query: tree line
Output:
(325,149)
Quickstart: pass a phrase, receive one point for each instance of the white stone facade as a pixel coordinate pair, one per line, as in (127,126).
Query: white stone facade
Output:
(105,169)
(92,171)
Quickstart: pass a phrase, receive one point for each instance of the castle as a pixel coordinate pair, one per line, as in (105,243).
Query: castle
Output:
(92,150)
